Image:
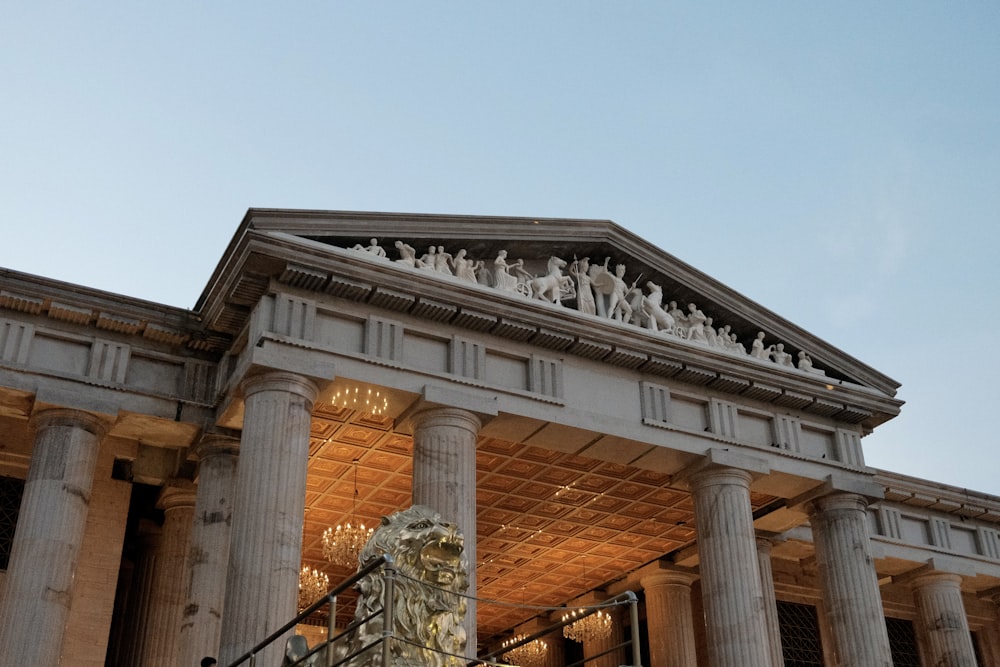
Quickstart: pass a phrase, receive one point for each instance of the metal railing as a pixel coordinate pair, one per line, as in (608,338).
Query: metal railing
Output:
(327,656)
(628,597)
(325,649)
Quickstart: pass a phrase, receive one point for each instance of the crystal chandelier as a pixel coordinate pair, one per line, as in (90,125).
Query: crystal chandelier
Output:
(313,585)
(595,627)
(373,402)
(342,544)
(531,654)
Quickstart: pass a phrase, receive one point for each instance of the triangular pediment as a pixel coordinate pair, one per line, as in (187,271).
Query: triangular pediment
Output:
(334,252)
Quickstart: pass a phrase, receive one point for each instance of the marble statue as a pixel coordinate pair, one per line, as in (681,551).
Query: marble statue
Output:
(429,554)
(806,364)
(696,324)
(443,261)
(735,345)
(613,292)
(779,356)
(580,269)
(374,248)
(407,254)
(551,286)
(757,348)
(466,268)
(503,279)
(657,319)
(428,260)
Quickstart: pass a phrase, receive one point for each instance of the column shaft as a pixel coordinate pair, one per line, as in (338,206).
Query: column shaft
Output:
(941,620)
(268,512)
(161,647)
(50,528)
(669,619)
(848,581)
(208,558)
(770,602)
(444,479)
(730,580)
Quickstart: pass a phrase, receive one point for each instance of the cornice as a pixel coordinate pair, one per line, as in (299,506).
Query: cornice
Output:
(107,311)
(936,496)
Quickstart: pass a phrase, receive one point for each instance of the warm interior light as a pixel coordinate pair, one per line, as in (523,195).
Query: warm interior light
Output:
(372,401)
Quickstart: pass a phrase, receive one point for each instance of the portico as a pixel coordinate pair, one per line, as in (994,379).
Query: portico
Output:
(582,454)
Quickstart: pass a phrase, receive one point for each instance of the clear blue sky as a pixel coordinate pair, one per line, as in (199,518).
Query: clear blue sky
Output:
(837,162)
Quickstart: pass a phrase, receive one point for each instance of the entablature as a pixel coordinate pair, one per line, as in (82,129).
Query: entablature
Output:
(274,263)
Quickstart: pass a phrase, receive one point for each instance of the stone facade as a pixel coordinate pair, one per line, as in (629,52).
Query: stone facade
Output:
(594,426)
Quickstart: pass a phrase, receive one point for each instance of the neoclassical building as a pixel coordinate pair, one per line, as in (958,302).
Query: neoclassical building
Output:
(596,415)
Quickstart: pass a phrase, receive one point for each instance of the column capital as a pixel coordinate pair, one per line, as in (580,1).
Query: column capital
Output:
(434,397)
(215,444)
(936,568)
(177,494)
(721,466)
(292,383)
(667,577)
(89,422)
(867,489)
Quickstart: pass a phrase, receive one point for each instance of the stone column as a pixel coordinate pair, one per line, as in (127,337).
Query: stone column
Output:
(444,479)
(770,602)
(848,583)
(137,607)
(941,620)
(161,647)
(669,619)
(730,580)
(208,558)
(50,528)
(268,513)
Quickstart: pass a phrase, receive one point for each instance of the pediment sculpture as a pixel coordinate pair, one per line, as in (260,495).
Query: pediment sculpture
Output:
(598,290)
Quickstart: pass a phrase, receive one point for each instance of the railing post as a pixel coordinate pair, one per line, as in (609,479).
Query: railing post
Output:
(633,607)
(331,630)
(388,612)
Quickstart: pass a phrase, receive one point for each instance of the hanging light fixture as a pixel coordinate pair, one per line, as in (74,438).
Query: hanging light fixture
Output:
(313,585)
(370,401)
(531,654)
(595,627)
(343,543)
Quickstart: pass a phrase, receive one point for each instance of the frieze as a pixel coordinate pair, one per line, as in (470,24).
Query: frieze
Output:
(594,289)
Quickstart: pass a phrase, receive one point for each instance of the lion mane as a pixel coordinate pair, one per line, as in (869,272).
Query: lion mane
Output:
(429,607)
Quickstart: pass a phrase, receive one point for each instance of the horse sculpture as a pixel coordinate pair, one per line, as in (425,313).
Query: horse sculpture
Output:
(551,286)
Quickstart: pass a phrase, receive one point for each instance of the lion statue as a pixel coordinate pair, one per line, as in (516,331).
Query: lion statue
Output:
(433,570)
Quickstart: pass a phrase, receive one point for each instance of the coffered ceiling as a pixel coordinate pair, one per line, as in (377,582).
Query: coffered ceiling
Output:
(551,525)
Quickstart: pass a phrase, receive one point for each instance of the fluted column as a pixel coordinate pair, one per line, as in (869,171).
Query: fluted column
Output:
(266,550)
(50,527)
(208,557)
(941,620)
(730,580)
(848,582)
(770,602)
(161,647)
(444,479)
(669,620)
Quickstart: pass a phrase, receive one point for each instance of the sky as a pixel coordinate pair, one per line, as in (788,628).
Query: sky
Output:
(838,163)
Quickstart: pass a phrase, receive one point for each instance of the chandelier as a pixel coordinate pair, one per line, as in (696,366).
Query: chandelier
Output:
(373,402)
(528,655)
(342,544)
(595,627)
(313,585)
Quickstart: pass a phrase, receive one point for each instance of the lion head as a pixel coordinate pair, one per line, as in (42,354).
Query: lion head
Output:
(429,556)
